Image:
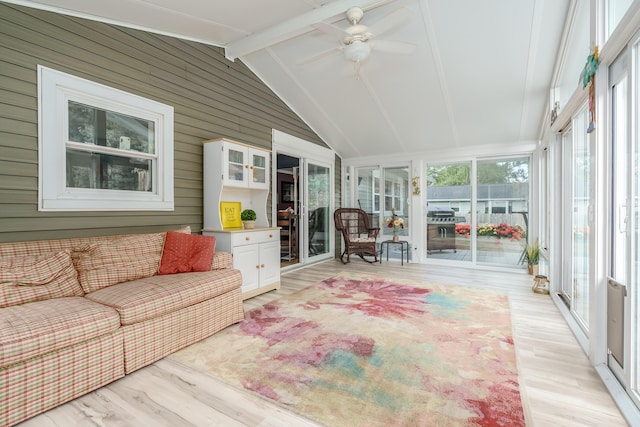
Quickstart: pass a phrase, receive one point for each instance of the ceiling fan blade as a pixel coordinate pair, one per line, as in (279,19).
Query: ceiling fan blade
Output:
(390,46)
(320,56)
(330,30)
(390,21)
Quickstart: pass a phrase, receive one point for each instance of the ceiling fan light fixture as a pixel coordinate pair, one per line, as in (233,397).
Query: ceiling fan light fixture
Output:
(357,51)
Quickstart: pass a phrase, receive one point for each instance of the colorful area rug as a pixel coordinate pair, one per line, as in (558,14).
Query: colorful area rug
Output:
(357,350)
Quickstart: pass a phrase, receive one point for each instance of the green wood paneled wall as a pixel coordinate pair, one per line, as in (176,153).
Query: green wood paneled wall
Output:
(212,97)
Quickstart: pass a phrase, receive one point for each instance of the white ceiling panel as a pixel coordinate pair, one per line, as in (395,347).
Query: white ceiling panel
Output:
(479,72)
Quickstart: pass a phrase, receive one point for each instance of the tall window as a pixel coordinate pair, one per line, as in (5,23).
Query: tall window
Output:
(396,197)
(101,148)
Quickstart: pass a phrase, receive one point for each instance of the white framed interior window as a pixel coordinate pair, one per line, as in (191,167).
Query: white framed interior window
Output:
(101,148)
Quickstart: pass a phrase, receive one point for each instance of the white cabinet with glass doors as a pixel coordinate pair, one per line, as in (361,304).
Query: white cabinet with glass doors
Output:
(244,166)
(235,178)
(235,173)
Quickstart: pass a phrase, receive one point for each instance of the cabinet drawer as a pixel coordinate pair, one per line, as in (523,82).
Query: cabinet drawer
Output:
(252,237)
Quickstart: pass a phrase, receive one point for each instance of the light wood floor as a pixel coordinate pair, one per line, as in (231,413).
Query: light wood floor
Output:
(558,386)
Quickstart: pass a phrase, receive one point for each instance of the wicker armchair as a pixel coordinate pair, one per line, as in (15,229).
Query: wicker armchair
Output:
(359,237)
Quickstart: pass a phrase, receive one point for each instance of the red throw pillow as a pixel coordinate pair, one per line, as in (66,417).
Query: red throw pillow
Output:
(186,252)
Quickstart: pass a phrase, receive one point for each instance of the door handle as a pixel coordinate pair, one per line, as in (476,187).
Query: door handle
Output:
(622,218)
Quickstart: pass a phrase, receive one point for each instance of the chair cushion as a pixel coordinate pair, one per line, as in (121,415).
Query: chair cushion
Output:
(37,328)
(183,253)
(155,296)
(37,277)
(363,239)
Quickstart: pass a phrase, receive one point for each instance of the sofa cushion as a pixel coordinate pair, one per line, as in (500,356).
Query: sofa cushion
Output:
(37,277)
(119,260)
(155,296)
(37,328)
(222,260)
(183,253)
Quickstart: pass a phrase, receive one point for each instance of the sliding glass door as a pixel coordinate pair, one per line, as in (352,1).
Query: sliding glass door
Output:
(580,230)
(478,211)
(502,210)
(448,215)
(303,190)
(381,192)
(623,282)
(565,207)
(572,207)
(317,181)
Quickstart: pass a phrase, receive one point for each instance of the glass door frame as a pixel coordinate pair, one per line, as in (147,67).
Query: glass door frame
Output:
(375,204)
(305,214)
(566,157)
(617,269)
(307,152)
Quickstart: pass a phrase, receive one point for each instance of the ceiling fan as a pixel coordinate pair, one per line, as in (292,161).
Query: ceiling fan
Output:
(358,41)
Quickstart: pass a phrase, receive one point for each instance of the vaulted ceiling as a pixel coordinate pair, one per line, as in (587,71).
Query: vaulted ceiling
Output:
(478,73)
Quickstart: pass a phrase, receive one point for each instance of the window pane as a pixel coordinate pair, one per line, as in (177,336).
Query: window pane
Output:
(82,123)
(90,125)
(236,165)
(368,193)
(448,214)
(318,189)
(259,161)
(105,171)
(396,197)
(580,216)
(619,182)
(616,10)
(259,170)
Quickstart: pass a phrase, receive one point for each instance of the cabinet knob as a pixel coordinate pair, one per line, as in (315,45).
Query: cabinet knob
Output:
(247,238)
(270,235)
(257,266)
(246,166)
(262,266)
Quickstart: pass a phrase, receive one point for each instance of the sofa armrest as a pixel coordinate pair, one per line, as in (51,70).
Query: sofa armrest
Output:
(221,260)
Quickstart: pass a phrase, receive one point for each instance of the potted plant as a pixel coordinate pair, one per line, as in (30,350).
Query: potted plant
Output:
(532,255)
(248,217)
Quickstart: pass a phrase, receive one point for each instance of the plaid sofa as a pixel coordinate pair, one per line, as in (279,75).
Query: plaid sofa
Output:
(76,314)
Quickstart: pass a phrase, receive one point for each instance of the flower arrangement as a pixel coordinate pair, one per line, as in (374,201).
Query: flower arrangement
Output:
(394,221)
(504,231)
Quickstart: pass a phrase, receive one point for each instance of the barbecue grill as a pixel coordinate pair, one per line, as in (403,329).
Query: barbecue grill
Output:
(441,228)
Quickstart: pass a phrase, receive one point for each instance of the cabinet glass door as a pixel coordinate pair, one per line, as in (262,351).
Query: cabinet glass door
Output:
(235,165)
(259,169)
